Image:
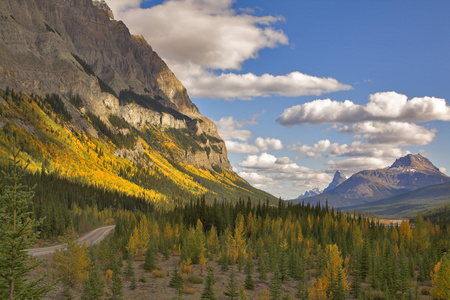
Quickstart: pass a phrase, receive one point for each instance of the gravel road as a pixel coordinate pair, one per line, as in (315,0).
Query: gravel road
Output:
(93,237)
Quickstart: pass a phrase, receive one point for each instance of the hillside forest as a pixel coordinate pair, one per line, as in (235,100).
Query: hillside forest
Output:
(247,249)
(178,237)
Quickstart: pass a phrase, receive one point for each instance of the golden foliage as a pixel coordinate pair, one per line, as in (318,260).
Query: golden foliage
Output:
(73,262)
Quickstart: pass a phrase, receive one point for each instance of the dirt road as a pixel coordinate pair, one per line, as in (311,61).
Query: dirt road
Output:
(93,237)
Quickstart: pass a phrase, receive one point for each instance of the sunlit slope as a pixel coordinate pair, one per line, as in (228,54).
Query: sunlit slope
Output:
(141,163)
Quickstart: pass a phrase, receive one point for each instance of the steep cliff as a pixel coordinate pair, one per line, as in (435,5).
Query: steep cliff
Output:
(76,48)
(86,100)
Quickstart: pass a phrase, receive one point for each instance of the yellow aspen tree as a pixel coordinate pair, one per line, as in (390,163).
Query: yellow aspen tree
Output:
(440,279)
(236,242)
(73,262)
(318,290)
(335,269)
(213,241)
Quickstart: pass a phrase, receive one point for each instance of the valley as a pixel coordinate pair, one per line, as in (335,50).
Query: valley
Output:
(114,185)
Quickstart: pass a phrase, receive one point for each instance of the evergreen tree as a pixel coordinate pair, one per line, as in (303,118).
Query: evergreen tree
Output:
(129,271)
(283,261)
(339,289)
(224,261)
(116,284)
(275,286)
(149,263)
(232,287)
(262,268)
(208,292)
(302,289)
(356,284)
(133,284)
(176,281)
(249,284)
(93,285)
(17,233)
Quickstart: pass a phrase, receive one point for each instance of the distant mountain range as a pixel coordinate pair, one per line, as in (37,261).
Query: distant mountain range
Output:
(310,193)
(365,189)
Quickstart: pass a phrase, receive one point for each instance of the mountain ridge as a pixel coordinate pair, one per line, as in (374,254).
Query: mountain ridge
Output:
(405,174)
(76,85)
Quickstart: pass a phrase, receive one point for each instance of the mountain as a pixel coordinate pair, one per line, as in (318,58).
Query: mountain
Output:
(87,100)
(405,174)
(310,193)
(337,180)
(409,204)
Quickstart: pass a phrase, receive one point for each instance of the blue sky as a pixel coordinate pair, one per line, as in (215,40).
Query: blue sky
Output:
(299,89)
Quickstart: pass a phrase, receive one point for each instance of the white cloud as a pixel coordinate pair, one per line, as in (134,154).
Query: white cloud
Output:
(382,107)
(260,145)
(229,128)
(268,144)
(247,86)
(392,133)
(443,170)
(281,173)
(243,148)
(356,164)
(196,37)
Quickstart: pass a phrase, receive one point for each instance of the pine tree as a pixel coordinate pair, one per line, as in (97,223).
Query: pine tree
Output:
(232,288)
(208,292)
(275,286)
(356,284)
(302,289)
(176,282)
(17,233)
(116,284)
(149,263)
(262,268)
(129,271)
(249,284)
(283,262)
(93,285)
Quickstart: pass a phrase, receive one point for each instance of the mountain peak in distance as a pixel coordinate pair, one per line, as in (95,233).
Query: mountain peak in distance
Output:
(338,178)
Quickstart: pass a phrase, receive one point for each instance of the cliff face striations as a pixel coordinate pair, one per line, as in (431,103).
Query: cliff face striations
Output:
(76,48)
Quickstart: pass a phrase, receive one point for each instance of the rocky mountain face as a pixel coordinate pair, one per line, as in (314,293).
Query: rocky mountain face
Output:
(337,180)
(405,174)
(76,49)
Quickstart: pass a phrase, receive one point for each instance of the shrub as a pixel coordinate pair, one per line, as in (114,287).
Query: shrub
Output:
(158,274)
(195,279)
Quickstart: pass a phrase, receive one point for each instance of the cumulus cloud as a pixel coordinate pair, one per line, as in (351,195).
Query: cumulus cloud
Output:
(356,164)
(247,86)
(238,147)
(196,37)
(274,173)
(229,128)
(259,145)
(268,144)
(392,133)
(382,107)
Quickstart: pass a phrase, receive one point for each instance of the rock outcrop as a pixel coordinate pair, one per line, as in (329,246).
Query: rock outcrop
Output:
(77,48)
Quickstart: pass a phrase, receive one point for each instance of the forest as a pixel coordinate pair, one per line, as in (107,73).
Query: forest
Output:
(188,233)
(245,249)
